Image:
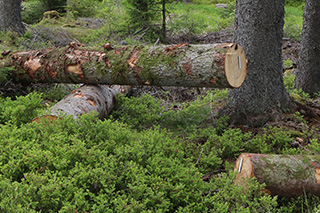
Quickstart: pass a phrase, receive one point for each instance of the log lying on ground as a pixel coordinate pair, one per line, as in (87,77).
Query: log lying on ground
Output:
(284,175)
(209,65)
(99,99)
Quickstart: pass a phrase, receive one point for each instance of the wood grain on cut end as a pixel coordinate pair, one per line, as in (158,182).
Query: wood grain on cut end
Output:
(243,168)
(235,65)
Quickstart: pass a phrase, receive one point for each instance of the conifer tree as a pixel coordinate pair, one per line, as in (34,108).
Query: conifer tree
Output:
(146,15)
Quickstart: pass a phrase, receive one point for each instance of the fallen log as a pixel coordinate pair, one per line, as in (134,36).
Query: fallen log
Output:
(99,99)
(209,65)
(283,175)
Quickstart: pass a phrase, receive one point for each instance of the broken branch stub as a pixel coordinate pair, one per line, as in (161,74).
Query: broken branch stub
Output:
(206,65)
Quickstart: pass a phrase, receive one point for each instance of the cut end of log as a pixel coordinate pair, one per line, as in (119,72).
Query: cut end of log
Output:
(235,65)
(40,119)
(243,168)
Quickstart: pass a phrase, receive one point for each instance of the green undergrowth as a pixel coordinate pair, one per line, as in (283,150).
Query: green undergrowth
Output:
(177,117)
(21,110)
(297,94)
(192,19)
(106,166)
(149,156)
(293,22)
(199,18)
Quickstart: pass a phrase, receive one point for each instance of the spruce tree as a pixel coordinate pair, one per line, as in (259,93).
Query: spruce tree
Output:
(148,15)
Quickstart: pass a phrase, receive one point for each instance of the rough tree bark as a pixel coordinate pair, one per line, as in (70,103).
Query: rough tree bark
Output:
(99,99)
(10,16)
(262,97)
(283,175)
(308,72)
(214,65)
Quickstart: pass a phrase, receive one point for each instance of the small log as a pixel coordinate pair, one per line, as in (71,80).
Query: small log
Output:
(89,98)
(284,175)
(207,65)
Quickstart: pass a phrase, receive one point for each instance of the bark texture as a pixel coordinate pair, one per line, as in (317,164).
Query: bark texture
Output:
(284,175)
(98,99)
(179,65)
(10,16)
(262,97)
(308,72)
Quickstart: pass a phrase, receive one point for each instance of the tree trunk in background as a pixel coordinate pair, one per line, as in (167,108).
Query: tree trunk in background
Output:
(10,16)
(262,97)
(284,175)
(164,24)
(68,6)
(308,72)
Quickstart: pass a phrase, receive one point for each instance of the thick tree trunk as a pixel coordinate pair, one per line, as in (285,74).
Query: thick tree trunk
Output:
(98,99)
(10,16)
(283,175)
(262,97)
(308,72)
(212,65)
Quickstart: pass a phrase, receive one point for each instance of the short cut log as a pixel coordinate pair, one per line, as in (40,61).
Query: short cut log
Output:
(283,175)
(208,65)
(97,99)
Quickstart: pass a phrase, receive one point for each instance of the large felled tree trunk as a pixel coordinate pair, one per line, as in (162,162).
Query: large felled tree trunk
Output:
(262,97)
(283,175)
(213,65)
(10,16)
(308,72)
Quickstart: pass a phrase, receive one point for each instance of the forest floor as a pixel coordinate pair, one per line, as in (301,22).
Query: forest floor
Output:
(296,133)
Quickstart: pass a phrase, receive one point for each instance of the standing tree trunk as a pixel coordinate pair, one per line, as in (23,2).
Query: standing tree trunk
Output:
(10,16)
(68,7)
(164,27)
(262,97)
(308,72)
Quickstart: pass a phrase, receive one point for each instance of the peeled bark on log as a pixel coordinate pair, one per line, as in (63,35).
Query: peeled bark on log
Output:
(89,98)
(210,65)
(284,175)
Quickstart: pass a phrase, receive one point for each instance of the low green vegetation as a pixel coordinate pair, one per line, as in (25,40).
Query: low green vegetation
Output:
(295,3)
(105,166)
(293,22)
(199,17)
(148,156)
